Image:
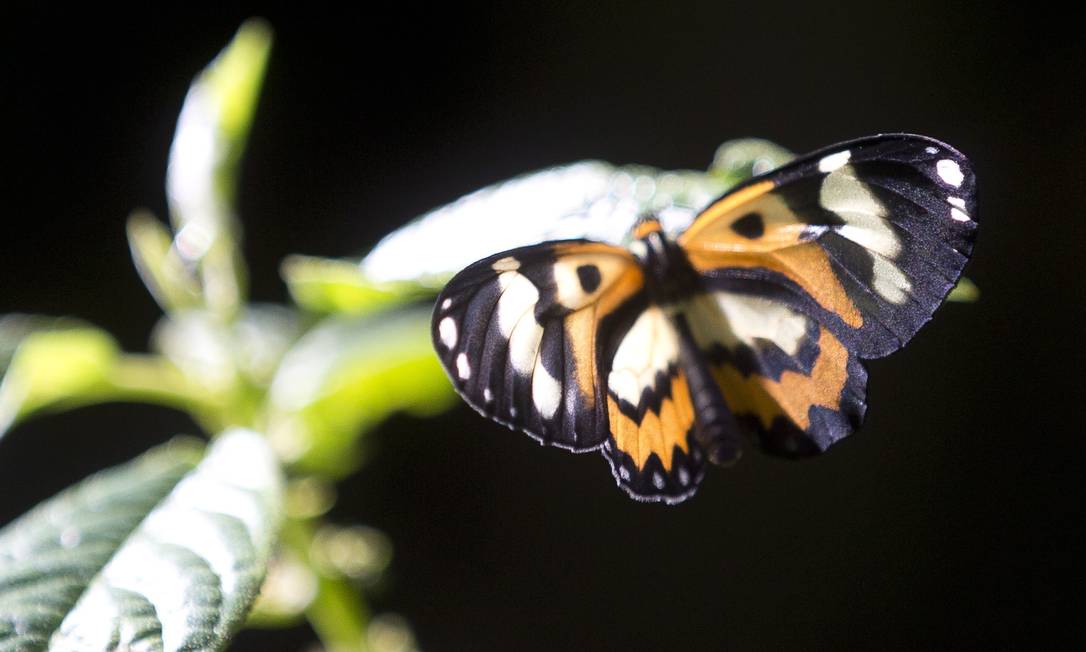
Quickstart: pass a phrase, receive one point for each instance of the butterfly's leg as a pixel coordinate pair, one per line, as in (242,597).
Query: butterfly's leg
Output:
(715,427)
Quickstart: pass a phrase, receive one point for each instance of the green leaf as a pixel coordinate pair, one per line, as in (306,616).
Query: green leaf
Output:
(589,199)
(159,265)
(164,553)
(58,364)
(201,181)
(327,285)
(738,160)
(16,327)
(49,367)
(347,375)
(966,291)
(220,356)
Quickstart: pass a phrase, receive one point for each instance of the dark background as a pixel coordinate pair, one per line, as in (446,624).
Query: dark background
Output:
(946,522)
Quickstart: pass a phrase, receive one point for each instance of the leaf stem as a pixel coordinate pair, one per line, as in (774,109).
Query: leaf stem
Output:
(338,614)
(152,379)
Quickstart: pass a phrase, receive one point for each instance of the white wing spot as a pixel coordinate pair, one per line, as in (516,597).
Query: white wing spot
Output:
(649,347)
(447,330)
(959,215)
(446,304)
(507,264)
(516,318)
(684,476)
(546,391)
(487,395)
(950,172)
(657,480)
(512,412)
(751,319)
(623,473)
(931,150)
(834,161)
(956,201)
(463,368)
(865,217)
(890,282)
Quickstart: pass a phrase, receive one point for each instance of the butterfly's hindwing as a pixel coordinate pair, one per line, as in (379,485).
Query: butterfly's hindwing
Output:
(789,381)
(518,333)
(652,450)
(867,237)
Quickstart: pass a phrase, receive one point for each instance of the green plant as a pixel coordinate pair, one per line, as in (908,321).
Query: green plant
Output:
(170,550)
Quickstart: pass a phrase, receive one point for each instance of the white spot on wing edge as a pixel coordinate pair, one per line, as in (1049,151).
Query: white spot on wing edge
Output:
(950,172)
(463,368)
(958,210)
(624,473)
(446,304)
(447,330)
(507,264)
(546,391)
(931,150)
(833,161)
(657,480)
(487,395)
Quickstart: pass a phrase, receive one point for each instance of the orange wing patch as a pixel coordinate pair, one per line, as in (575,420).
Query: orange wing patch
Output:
(806,264)
(795,394)
(660,433)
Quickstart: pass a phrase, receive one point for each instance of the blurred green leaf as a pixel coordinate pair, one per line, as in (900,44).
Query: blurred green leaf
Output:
(201,181)
(55,366)
(966,291)
(161,553)
(738,160)
(288,590)
(588,199)
(220,356)
(160,267)
(58,364)
(346,375)
(16,327)
(328,285)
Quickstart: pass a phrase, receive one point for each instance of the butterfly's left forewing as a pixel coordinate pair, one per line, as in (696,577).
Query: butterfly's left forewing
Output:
(520,332)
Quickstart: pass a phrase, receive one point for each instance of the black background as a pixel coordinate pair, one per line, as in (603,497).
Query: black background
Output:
(947,521)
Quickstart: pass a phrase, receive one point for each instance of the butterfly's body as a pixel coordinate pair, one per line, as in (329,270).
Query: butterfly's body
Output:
(752,323)
(670,283)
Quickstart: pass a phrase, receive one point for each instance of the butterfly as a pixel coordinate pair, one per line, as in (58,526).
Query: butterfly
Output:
(751,325)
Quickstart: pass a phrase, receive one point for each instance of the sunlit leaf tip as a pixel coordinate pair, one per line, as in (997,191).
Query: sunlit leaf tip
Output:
(201,178)
(966,291)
